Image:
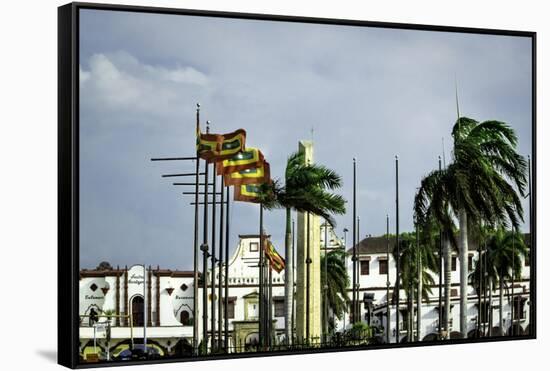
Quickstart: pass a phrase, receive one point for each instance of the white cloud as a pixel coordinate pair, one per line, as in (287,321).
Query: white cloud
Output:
(120,82)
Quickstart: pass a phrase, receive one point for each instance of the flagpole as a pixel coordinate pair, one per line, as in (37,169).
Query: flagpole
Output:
(397,248)
(220,264)
(388,310)
(213,263)
(532,288)
(440,260)
(354,232)
(226,276)
(204,249)
(325,287)
(292,334)
(308,273)
(358,275)
(196,249)
(261,329)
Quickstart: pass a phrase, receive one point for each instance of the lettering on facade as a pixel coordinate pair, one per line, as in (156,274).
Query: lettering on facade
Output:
(92,297)
(136,279)
(183,297)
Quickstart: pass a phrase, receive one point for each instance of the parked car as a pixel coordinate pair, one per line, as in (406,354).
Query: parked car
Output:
(138,353)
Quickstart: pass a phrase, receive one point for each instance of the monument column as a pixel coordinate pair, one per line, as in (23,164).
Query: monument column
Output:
(308,300)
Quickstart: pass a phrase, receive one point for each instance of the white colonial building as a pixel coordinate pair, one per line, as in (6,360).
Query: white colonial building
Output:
(124,299)
(374,263)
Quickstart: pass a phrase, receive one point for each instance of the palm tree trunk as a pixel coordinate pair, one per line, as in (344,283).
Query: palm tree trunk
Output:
(500,303)
(463,255)
(490,331)
(419,304)
(289,277)
(447,271)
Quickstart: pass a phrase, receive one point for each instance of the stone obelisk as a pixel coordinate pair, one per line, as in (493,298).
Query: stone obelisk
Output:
(308,312)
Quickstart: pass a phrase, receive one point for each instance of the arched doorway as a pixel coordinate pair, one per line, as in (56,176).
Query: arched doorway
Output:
(138,310)
(184,318)
(456,335)
(515,330)
(475,333)
(251,341)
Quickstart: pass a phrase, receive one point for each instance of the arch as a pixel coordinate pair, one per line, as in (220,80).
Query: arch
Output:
(137,306)
(430,337)
(184,317)
(496,331)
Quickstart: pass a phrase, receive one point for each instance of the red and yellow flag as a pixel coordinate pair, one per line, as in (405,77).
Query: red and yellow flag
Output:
(218,147)
(255,175)
(276,261)
(247,159)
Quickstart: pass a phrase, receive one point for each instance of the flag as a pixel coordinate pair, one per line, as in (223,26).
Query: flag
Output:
(255,175)
(247,193)
(231,144)
(247,159)
(207,145)
(276,261)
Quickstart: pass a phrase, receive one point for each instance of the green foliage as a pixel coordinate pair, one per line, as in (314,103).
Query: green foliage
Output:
(307,189)
(338,281)
(482,178)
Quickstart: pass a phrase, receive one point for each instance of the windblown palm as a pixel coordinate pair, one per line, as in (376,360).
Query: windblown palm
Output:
(477,185)
(504,250)
(337,281)
(307,189)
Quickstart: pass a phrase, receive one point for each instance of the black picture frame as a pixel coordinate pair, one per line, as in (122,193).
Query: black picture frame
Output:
(68,173)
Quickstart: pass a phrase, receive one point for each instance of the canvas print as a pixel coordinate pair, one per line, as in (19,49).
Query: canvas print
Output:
(256,186)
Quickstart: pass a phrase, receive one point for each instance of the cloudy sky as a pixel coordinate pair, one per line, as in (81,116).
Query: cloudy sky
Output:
(357,92)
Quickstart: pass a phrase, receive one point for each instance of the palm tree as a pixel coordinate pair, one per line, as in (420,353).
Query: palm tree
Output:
(411,271)
(306,189)
(336,280)
(477,185)
(503,257)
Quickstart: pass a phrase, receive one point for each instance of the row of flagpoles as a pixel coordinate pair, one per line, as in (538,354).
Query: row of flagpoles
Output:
(244,169)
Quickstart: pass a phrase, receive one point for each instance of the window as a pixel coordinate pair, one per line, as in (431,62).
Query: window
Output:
(279,308)
(470,262)
(453,263)
(230,309)
(365,267)
(382,266)
(519,308)
(252,310)
(454,292)
(254,246)
(484,312)
(527,259)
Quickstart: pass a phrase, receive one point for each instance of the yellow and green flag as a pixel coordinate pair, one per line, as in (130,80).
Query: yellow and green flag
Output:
(276,261)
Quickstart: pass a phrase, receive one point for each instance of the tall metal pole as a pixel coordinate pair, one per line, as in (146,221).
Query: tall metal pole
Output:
(513,307)
(261,303)
(480,277)
(213,262)
(325,287)
(145,310)
(220,265)
(196,251)
(354,258)
(485,285)
(308,275)
(419,287)
(293,294)
(204,248)
(226,276)
(440,266)
(388,311)
(358,275)
(397,248)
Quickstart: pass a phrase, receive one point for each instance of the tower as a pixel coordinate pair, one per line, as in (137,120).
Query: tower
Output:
(308,312)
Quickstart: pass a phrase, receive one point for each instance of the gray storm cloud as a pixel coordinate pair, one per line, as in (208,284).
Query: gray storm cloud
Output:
(356,91)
